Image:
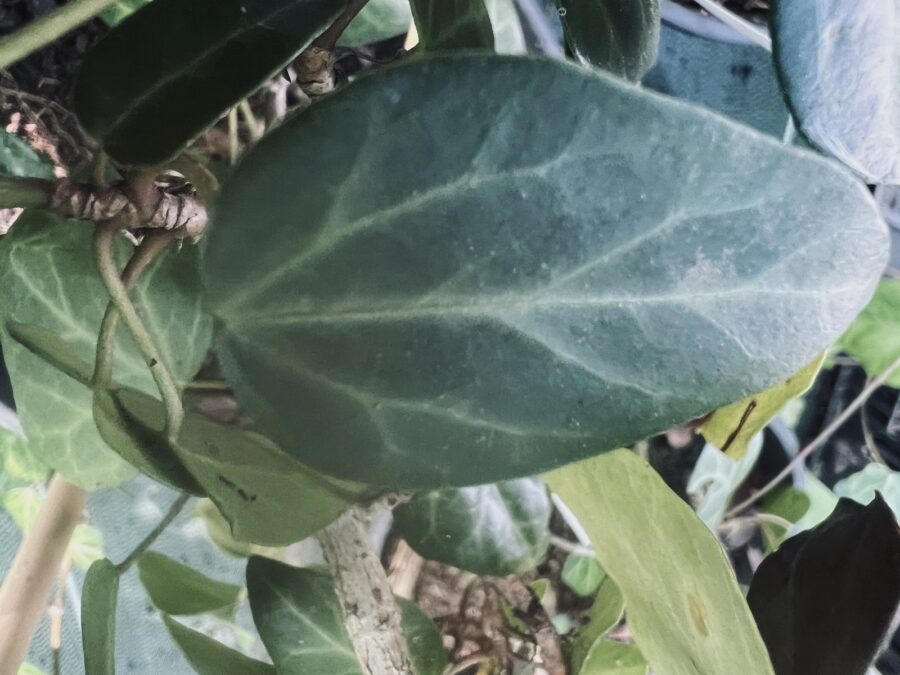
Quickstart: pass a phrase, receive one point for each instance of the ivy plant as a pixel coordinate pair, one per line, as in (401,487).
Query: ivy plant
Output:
(458,287)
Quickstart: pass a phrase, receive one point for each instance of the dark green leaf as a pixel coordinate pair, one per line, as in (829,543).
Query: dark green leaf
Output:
(620,36)
(209,657)
(605,613)
(299,619)
(839,65)
(873,338)
(378,20)
(825,600)
(170,71)
(48,279)
(613,658)
(453,24)
(496,529)
(685,609)
(582,574)
(490,308)
(787,502)
(179,590)
(17,158)
(98,618)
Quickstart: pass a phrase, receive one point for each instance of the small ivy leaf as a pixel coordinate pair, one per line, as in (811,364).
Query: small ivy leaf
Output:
(378,20)
(98,618)
(582,574)
(685,609)
(863,485)
(452,24)
(209,657)
(495,530)
(179,590)
(839,65)
(605,613)
(716,477)
(498,316)
(788,503)
(731,428)
(620,36)
(142,447)
(608,657)
(825,600)
(17,158)
(873,338)
(48,279)
(170,71)
(298,616)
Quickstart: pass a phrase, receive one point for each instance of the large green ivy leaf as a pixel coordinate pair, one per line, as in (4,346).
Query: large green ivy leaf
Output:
(48,278)
(179,590)
(620,36)
(160,78)
(378,20)
(17,158)
(453,24)
(873,338)
(826,599)
(685,609)
(489,308)
(98,618)
(497,529)
(209,657)
(299,619)
(839,65)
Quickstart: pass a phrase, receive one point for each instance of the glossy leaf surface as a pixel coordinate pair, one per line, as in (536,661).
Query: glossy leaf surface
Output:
(620,36)
(825,600)
(453,24)
(98,618)
(299,619)
(48,279)
(209,657)
(496,313)
(839,65)
(496,529)
(180,590)
(378,20)
(169,71)
(684,606)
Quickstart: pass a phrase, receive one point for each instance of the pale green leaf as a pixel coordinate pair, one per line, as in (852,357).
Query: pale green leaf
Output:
(862,486)
(716,477)
(299,619)
(731,428)
(613,658)
(620,36)
(452,24)
(839,65)
(496,529)
(48,278)
(685,609)
(582,574)
(605,614)
(822,501)
(29,669)
(98,618)
(121,10)
(788,503)
(378,20)
(873,338)
(209,657)
(86,546)
(180,590)
(483,310)
(23,504)
(219,532)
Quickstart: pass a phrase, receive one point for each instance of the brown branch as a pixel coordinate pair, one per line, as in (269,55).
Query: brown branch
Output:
(371,614)
(26,587)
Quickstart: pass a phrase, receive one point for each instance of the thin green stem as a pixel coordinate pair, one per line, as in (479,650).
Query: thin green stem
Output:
(147,542)
(48,28)
(25,193)
(104,236)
